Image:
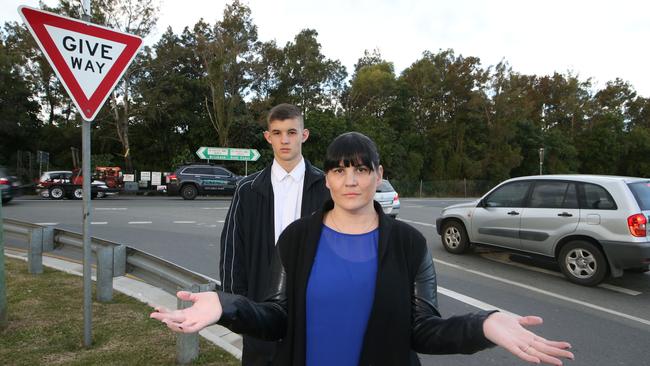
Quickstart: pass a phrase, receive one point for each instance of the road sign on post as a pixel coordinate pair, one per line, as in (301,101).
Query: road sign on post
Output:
(88,59)
(226,153)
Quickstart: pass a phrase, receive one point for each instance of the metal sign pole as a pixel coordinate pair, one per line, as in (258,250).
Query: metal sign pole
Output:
(3,285)
(85,142)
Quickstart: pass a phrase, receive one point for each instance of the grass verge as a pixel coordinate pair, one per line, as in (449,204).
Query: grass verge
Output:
(46,326)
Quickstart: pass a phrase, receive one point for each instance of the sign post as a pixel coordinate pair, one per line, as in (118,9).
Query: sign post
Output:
(227,153)
(3,284)
(89,61)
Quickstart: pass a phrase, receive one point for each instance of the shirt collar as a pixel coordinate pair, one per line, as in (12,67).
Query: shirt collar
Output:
(297,173)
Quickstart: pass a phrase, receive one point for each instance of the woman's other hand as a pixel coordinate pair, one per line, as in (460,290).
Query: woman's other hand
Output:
(508,332)
(205,310)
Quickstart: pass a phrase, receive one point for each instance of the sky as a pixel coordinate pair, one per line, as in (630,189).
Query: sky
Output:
(601,40)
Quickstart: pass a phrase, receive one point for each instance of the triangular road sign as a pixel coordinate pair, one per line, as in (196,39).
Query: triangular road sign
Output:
(88,59)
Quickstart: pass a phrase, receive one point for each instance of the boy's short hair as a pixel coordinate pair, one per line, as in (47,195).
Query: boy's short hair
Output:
(284,111)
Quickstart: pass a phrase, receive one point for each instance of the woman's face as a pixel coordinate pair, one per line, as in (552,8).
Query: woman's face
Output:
(353,188)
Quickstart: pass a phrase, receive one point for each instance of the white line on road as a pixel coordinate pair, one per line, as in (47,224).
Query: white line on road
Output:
(214,208)
(139,222)
(548,293)
(111,208)
(47,223)
(184,222)
(99,223)
(221,221)
(607,286)
(417,222)
(623,290)
(471,301)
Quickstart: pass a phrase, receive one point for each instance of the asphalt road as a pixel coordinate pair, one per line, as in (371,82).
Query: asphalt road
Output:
(607,325)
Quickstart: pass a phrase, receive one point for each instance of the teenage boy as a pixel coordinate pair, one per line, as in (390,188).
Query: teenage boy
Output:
(262,206)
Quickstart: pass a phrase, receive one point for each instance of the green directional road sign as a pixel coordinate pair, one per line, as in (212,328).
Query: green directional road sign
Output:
(227,153)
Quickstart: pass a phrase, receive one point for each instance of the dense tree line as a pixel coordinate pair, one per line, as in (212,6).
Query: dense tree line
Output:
(445,117)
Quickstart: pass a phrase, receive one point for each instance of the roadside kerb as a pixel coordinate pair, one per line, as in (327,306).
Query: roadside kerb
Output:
(117,260)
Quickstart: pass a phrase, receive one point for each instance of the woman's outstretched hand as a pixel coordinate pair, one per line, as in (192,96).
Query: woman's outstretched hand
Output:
(205,310)
(508,332)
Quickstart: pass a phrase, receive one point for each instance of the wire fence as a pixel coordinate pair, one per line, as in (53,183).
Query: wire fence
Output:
(442,188)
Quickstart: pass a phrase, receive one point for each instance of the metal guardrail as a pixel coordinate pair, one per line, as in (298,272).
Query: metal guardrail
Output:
(114,260)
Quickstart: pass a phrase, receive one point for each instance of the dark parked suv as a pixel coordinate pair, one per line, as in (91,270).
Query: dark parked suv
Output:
(192,180)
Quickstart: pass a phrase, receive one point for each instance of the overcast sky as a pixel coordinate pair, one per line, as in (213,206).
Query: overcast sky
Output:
(598,39)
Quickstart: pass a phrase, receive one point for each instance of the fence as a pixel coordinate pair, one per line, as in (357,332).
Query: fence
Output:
(442,188)
(115,260)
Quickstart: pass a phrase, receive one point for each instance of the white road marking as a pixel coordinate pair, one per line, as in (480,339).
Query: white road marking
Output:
(47,223)
(99,223)
(472,301)
(212,225)
(221,221)
(607,286)
(416,206)
(416,222)
(111,208)
(623,290)
(548,293)
(184,222)
(139,222)
(214,208)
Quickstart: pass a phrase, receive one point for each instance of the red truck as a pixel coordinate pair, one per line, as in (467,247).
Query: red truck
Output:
(64,183)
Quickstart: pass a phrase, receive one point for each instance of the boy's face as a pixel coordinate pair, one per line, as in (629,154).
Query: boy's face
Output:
(286,137)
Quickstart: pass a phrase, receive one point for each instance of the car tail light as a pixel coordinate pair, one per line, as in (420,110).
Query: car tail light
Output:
(4,181)
(396,198)
(171,178)
(636,223)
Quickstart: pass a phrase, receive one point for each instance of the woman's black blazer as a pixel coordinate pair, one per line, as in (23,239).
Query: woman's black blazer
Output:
(404,318)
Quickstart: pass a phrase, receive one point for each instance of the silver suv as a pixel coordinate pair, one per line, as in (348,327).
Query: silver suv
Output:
(591,225)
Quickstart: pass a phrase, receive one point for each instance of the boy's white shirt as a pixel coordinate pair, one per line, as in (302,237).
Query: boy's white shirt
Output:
(287,194)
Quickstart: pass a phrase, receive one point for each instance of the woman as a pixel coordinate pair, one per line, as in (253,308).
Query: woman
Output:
(356,287)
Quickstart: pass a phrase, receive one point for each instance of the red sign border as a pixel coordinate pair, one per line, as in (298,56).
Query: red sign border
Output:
(36,19)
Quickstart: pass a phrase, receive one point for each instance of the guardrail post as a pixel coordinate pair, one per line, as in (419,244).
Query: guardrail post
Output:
(35,251)
(119,260)
(48,239)
(187,345)
(104,274)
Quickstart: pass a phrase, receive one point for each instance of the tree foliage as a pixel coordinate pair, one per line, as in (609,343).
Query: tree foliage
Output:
(446,116)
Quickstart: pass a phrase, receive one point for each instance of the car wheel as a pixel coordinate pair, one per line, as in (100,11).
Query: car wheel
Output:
(583,263)
(56,193)
(78,194)
(454,237)
(189,192)
(6,200)
(100,195)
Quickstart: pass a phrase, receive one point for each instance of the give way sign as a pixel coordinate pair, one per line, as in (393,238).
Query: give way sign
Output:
(88,59)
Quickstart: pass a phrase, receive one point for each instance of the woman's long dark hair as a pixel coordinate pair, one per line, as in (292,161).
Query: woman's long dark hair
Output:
(351,148)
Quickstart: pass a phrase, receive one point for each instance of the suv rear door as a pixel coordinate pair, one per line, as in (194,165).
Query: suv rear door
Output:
(203,176)
(224,180)
(497,220)
(552,212)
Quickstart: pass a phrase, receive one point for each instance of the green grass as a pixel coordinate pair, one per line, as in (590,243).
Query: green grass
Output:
(46,326)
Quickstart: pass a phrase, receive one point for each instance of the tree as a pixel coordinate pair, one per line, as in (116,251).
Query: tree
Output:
(225,52)
(19,124)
